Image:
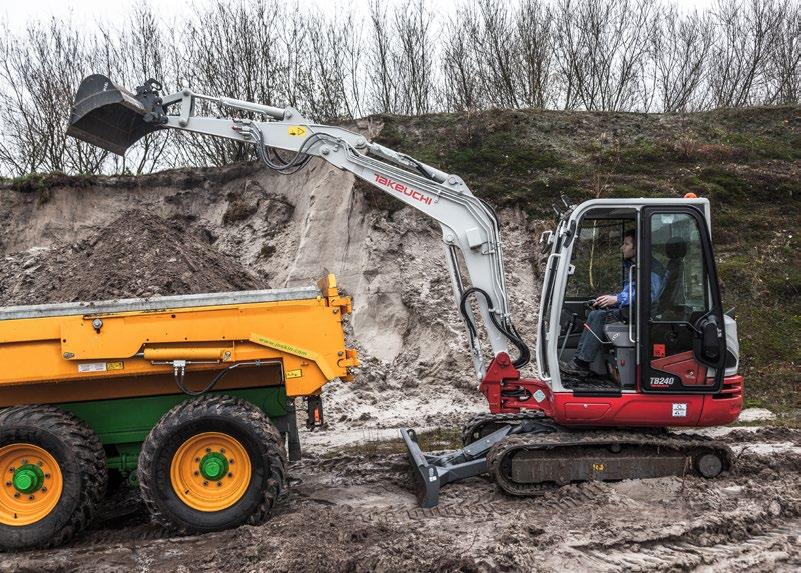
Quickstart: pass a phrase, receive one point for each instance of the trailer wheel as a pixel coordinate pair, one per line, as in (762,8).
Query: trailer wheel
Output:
(212,463)
(54,476)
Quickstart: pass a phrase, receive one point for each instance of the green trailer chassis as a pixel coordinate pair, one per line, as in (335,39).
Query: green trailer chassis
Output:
(123,424)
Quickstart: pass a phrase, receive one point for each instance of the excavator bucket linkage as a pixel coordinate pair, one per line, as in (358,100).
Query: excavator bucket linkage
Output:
(111,117)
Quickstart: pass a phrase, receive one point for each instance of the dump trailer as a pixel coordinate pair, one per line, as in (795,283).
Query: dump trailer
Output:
(191,397)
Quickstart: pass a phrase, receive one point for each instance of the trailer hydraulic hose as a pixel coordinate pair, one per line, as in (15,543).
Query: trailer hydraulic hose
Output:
(179,378)
(510,333)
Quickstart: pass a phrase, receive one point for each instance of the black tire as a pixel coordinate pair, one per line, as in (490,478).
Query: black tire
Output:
(80,457)
(236,418)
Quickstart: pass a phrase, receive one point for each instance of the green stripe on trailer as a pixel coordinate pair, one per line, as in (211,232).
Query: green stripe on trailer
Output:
(124,423)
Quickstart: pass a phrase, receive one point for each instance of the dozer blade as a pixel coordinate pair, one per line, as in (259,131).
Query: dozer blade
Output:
(432,472)
(110,116)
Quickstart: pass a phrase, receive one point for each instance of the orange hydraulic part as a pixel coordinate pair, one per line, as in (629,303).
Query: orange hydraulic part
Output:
(300,334)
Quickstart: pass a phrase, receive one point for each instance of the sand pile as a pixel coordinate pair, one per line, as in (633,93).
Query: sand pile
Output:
(137,255)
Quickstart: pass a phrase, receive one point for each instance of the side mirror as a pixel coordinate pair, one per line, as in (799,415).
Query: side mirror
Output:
(707,344)
(711,346)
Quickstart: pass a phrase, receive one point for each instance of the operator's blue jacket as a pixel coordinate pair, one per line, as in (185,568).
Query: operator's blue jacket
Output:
(658,272)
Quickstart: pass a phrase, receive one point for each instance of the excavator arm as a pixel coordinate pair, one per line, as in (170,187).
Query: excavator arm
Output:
(114,118)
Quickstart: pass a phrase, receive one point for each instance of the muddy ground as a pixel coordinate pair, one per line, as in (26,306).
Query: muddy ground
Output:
(349,511)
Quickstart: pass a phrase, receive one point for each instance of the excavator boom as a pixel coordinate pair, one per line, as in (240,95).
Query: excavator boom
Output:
(114,118)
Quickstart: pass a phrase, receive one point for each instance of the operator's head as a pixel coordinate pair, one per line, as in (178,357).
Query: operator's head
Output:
(629,246)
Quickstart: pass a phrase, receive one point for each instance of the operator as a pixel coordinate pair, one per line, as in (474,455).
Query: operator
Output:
(608,309)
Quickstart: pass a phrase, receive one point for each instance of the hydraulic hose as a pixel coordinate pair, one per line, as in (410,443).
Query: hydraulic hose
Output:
(179,378)
(509,332)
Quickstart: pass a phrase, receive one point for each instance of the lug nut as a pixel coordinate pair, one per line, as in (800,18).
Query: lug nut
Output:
(205,483)
(197,473)
(44,489)
(197,459)
(230,475)
(208,450)
(219,484)
(222,450)
(30,497)
(231,461)
(16,494)
(47,476)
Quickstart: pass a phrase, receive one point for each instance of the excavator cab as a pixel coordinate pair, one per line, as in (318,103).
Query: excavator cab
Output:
(674,338)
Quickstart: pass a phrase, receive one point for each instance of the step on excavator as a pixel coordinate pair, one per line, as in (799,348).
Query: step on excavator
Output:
(669,359)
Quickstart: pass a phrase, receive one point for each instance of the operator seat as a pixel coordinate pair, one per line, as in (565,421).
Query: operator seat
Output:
(673,301)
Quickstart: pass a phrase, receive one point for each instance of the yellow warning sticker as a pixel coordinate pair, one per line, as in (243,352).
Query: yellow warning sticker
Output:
(294,373)
(296,130)
(115,365)
(598,467)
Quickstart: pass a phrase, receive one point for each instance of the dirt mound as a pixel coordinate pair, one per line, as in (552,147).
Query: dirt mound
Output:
(137,255)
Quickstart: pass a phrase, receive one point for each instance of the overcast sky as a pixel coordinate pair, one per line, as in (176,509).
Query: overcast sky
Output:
(114,12)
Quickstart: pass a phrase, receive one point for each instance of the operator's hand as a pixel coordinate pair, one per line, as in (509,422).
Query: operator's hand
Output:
(605,301)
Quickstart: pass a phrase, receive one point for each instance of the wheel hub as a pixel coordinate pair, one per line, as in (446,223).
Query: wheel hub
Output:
(214,466)
(28,479)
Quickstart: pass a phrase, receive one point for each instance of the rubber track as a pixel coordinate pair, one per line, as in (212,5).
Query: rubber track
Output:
(476,422)
(223,406)
(564,439)
(89,455)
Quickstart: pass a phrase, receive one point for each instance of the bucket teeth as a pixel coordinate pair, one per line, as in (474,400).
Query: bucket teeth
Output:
(109,116)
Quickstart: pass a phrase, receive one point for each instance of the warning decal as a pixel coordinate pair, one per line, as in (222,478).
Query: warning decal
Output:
(679,410)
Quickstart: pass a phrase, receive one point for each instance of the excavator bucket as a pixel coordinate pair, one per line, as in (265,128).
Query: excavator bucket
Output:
(112,117)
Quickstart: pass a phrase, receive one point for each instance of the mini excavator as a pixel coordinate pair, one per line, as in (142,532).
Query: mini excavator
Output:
(670,359)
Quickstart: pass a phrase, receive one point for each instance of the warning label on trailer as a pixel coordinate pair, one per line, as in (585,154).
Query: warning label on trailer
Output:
(92,367)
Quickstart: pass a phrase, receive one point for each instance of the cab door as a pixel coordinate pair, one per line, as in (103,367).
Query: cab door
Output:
(682,338)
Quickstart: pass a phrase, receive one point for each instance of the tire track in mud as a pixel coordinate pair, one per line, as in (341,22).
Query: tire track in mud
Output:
(771,544)
(779,545)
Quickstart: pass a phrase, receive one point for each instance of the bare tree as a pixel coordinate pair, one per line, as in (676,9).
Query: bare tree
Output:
(744,32)
(534,38)
(384,89)
(460,66)
(679,49)
(783,62)
(574,54)
(414,57)
(602,44)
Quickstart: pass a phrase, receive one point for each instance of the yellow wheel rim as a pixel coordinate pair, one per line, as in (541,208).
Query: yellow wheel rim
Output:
(210,471)
(31,484)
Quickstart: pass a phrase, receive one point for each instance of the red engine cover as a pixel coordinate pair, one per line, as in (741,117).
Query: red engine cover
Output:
(506,392)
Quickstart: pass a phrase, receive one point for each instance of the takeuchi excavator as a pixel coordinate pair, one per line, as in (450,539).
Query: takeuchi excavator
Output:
(670,359)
